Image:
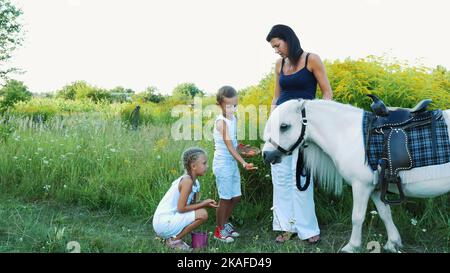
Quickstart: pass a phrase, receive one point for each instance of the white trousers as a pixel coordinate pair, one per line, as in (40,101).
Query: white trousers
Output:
(293,210)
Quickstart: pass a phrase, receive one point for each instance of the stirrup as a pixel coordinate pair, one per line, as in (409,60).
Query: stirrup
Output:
(384,188)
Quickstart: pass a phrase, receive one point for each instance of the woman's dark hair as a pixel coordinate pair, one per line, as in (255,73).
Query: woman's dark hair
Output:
(286,34)
(225,92)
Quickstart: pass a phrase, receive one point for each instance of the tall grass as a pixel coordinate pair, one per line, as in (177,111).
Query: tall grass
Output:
(85,160)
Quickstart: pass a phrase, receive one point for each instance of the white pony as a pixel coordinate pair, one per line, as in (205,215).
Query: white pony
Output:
(335,152)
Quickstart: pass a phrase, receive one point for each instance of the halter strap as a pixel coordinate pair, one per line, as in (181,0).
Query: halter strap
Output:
(299,140)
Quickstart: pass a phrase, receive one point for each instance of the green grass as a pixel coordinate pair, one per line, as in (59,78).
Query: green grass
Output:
(48,226)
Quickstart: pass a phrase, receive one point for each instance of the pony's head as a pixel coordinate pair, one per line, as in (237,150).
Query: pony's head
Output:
(285,131)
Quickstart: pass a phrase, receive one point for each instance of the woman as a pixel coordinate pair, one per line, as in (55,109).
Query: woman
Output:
(297,74)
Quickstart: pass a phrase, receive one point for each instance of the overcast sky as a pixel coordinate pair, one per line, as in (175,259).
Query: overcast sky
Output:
(139,43)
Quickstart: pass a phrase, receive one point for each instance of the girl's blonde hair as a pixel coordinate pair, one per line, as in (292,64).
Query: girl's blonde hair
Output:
(189,156)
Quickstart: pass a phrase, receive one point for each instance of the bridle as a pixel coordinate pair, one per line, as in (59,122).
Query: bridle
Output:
(299,165)
(300,140)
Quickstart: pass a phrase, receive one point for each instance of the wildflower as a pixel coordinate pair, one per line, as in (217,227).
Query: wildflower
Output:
(15,157)
(113,150)
(424,230)
(65,186)
(292,221)
(374,212)
(267,175)
(40,149)
(158,157)
(413,222)
(173,171)
(272,208)
(45,161)
(20,239)
(47,187)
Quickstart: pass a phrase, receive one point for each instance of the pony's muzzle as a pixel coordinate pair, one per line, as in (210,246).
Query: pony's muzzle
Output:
(272,157)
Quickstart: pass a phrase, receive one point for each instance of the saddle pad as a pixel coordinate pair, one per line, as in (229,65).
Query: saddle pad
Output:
(419,144)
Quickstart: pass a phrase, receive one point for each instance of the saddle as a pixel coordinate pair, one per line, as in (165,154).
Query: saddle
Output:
(392,123)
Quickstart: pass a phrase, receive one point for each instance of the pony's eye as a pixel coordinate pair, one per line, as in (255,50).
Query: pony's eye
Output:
(284,126)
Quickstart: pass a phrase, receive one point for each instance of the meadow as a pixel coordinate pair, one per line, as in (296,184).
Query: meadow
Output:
(75,170)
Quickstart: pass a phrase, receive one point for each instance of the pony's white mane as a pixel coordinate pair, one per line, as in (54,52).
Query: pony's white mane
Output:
(319,162)
(322,167)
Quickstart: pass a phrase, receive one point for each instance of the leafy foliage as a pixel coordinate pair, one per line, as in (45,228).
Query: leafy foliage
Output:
(10,34)
(13,92)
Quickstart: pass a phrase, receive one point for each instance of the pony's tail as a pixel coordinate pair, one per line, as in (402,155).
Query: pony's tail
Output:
(322,167)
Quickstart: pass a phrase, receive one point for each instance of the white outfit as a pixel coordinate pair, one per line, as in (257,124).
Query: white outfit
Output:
(293,210)
(225,168)
(167,221)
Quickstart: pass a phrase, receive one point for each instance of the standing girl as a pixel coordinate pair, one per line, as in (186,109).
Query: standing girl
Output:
(225,166)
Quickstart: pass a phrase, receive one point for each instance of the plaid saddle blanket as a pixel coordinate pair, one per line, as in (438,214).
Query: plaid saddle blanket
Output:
(419,144)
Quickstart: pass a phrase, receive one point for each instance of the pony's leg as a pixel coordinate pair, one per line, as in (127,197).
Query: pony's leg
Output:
(361,193)
(394,241)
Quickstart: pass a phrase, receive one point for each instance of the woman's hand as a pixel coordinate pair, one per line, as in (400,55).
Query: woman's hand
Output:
(209,203)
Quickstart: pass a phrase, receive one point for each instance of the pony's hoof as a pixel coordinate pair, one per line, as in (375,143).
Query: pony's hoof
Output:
(393,247)
(348,248)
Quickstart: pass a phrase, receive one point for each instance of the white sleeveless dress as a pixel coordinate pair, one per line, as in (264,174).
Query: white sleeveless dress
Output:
(167,221)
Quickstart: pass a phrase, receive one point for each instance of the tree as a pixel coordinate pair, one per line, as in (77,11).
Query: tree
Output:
(80,90)
(151,94)
(120,89)
(121,94)
(71,91)
(13,91)
(187,90)
(10,35)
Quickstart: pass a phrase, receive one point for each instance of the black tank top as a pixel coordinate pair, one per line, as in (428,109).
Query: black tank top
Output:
(301,84)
